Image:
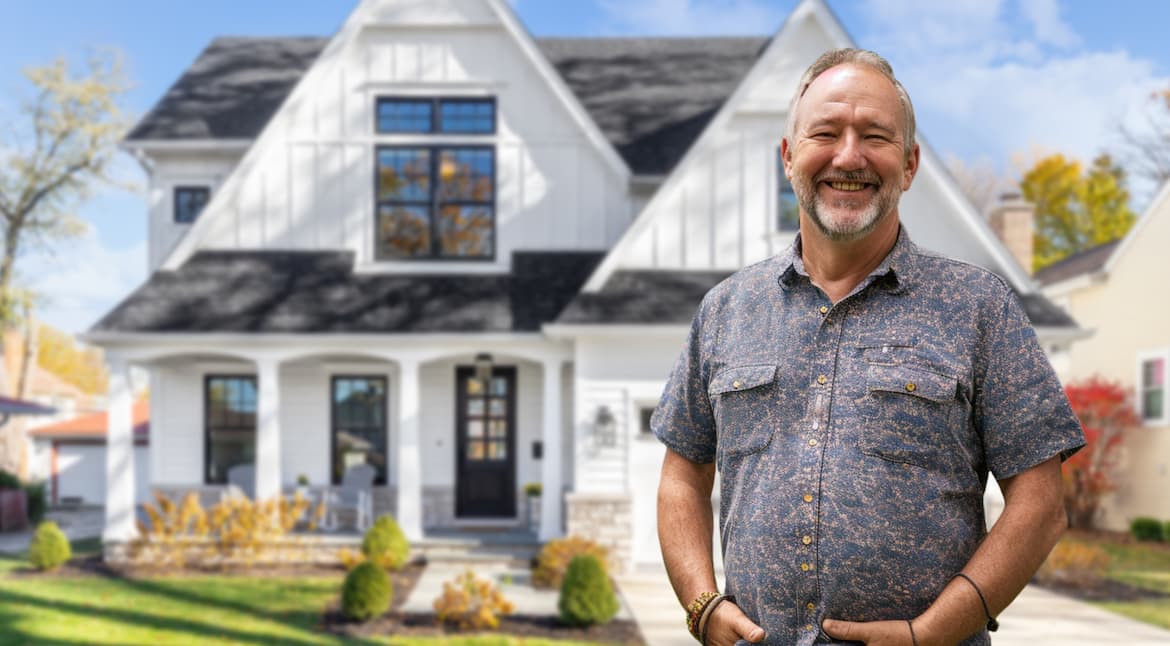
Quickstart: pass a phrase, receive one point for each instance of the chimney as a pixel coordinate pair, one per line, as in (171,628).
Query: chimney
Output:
(1011,220)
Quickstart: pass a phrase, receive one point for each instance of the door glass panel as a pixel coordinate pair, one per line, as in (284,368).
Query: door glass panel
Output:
(475,451)
(499,386)
(499,450)
(475,428)
(475,407)
(498,407)
(498,428)
(474,386)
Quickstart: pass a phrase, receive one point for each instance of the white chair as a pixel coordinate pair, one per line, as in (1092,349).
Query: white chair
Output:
(241,482)
(356,494)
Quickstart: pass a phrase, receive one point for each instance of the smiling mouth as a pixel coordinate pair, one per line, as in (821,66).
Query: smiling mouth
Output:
(848,186)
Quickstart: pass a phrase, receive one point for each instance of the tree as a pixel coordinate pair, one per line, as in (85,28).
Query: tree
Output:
(73,124)
(1147,151)
(1075,209)
(979,181)
(1106,415)
(60,354)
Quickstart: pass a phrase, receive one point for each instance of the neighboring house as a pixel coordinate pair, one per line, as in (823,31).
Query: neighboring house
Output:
(73,457)
(1117,291)
(344,232)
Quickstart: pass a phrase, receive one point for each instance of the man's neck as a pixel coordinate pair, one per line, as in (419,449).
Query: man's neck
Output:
(838,267)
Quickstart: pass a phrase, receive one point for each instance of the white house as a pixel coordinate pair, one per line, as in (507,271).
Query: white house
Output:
(341,229)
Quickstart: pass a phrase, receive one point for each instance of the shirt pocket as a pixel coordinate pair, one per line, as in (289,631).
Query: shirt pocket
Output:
(906,413)
(742,399)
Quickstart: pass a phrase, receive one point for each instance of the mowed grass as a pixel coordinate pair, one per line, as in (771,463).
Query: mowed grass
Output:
(1139,564)
(53,610)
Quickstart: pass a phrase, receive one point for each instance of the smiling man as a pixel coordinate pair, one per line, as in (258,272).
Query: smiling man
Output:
(853,394)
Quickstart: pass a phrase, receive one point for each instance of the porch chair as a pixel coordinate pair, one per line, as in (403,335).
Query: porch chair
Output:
(241,482)
(356,494)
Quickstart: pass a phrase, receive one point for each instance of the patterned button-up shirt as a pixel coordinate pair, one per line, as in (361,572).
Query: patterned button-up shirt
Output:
(853,440)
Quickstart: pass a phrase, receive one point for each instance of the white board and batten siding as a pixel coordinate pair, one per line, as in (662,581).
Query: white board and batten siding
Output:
(309,182)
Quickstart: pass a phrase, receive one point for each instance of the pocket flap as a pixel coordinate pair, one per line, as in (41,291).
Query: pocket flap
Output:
(741,378)
(911,380)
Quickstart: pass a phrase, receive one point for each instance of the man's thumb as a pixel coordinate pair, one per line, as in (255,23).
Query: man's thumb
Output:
(839,629)
(751,632)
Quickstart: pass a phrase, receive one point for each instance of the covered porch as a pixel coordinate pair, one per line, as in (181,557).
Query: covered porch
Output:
(454,426)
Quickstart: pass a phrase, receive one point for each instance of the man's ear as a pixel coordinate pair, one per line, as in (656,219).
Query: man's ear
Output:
(911,167)
(786,157)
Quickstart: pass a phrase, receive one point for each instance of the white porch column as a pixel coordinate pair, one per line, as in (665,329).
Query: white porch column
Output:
(551,503)
(267,429)
(119,454)
(409,452)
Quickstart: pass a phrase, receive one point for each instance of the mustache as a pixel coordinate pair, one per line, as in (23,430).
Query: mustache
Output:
(862,176)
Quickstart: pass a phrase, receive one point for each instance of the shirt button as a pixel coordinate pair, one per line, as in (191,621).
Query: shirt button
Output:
(808,628)
(806,540)
(805,567)
(736,384)
(911,387)
(808,497)
(821,379)
(813,442)
(810,605)
(824,309)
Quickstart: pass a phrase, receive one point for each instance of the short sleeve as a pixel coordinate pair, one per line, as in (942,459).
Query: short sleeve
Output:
(683,420)
(1021,409)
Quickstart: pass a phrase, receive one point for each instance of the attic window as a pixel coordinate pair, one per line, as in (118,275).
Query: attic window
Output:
(787,207)
(438,115)
(189,202)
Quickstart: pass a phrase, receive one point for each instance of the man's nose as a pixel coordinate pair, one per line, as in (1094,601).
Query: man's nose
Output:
(849,154)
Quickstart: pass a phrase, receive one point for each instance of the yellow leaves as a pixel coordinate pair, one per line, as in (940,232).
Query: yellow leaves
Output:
(554,558)
(472,603)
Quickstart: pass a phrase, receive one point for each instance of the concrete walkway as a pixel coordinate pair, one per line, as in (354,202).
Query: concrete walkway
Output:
(1037,618)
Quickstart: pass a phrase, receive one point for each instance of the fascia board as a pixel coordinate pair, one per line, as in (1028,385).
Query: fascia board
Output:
(807,9)
(153,146)
(602,330)
(1161,202)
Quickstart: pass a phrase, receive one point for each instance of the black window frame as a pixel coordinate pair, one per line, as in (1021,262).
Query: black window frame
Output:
(783,183)
(207,427)
(434,203)
(436,104)
(382,477)
(175,200)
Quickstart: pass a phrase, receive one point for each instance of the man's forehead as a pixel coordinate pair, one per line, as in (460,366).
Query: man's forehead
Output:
(849,77)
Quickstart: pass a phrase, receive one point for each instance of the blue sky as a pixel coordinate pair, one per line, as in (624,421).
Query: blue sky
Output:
(995,83)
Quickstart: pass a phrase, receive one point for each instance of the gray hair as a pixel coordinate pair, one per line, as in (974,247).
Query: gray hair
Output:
(862,58)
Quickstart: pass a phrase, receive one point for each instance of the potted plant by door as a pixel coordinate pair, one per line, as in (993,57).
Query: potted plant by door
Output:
(303,486)
(532,494)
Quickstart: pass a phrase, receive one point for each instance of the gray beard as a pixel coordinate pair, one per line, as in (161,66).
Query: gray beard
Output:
(812,204)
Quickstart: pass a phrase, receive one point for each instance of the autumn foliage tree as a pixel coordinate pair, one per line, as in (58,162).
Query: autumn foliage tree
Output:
(1106,415)
(1076,208)
(60,354)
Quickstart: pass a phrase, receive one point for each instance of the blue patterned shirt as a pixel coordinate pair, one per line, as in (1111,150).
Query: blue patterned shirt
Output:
(853,441)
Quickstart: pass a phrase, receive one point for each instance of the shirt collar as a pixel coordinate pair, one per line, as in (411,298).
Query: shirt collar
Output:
(894,274)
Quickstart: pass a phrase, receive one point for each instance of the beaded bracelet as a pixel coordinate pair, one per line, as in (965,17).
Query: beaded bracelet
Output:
(695,611)
(992,624)
(705,618)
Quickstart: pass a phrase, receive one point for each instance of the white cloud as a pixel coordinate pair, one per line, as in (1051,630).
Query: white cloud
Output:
(691,17)
(83,279)
(1047,24)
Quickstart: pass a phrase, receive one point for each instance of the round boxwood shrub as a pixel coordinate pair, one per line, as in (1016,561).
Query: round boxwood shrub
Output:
(49,548)
(587,596)
(35,492)
(385,544)
(367,592)
(1146,529)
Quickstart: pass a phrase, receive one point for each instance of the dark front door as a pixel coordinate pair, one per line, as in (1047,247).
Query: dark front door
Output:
(485,424)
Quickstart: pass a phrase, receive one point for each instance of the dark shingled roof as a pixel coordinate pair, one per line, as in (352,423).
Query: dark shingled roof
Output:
(672,297)
(1083,262)
(307,292)
(650,96)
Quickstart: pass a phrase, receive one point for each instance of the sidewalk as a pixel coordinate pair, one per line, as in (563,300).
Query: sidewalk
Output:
(1037,618)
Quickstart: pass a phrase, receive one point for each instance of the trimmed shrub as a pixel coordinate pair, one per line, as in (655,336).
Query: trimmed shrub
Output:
(50,548)
(37,504)
(587,596)
(555,556)
(1166,531)
(366,593)
(9,480)
(385,544)
(1146,529)
(472,603)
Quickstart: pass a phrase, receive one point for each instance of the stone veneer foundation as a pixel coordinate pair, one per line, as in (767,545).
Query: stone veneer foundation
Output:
(604,518)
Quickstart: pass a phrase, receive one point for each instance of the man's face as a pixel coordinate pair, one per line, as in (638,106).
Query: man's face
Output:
(848,163)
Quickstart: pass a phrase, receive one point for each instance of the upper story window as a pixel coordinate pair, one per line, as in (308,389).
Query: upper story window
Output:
(787,207)
(189,201)
(447,116)
(435,200)
(1152,389)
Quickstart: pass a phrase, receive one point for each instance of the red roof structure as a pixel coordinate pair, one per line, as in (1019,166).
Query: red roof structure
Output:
(94,425)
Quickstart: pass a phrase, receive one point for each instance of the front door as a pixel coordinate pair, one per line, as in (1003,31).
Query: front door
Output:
(485,424)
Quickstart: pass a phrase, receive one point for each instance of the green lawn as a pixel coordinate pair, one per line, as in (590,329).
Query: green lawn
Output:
(186,610)
(1144,565)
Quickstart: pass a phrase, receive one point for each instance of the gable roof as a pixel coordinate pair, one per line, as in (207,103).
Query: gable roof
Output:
(94,425)
(1089,261)
(318,292)
(651,97)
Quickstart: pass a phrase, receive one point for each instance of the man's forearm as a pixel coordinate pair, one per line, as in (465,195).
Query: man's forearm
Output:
(685,525)
(1032,522)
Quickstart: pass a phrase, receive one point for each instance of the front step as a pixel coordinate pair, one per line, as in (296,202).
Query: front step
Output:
(480,549)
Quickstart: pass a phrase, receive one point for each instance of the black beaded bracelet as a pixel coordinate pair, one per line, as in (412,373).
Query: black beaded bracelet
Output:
(913,637)
(992,624)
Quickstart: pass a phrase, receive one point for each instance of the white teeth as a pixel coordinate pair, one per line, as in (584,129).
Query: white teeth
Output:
(847,186)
